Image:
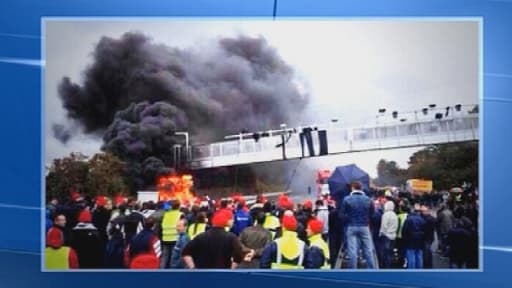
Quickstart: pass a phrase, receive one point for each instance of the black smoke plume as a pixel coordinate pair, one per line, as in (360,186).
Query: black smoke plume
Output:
(138,93)
(61,132)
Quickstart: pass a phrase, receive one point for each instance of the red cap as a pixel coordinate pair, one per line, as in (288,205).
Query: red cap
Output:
(85,216)
(101,201)
(261,199)
(240,199)
(118,200)
(315,225)
(284,202)
(54,238)
(308,204)
(221,218)
(75,196)
(289,222)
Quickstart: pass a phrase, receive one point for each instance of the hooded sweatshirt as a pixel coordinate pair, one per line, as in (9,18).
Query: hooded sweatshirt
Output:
(389,225)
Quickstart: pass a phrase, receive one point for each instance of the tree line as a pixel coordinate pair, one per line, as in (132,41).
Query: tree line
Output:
(447,165)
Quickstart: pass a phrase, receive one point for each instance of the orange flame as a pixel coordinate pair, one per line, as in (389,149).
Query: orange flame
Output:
(175,187)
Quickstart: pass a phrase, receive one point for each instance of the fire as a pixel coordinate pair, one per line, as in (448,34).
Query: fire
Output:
(175,187)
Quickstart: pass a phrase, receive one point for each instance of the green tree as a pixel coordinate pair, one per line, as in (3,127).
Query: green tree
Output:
(105,175)
(66,174)
(447,165)
(100,175)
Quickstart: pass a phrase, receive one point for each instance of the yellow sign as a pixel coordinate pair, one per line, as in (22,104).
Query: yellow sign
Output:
(418,185)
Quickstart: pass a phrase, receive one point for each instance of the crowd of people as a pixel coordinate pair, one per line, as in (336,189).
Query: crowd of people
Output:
(382,231)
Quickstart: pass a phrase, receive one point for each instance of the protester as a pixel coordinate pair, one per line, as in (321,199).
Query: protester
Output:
(48,220)
(375,223)
(304,215)
(72,209)
(57,255)
(133,223)
(414,238)
(215,248)
(335,234)
(430,226)
(287,251)
(101,217)
(119,220)
(183,239)
(169,233)
(255,238)
(148,208)
(272,223)
(445,222)
(242,219)
(60,223)
(51,208)
(158,215)
(459,240)
(403,212)
(199,226)
(318,251)
(86,241)
(115,249)
(387,233)
(358,209)
(143,251)
(322,213)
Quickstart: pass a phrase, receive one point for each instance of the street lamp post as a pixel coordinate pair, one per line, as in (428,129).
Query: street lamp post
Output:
(187,147)
(177,158)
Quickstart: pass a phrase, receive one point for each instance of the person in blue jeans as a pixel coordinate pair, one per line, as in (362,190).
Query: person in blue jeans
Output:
(357,209)
(413,235)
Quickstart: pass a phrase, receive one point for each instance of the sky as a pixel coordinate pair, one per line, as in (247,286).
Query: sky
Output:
(351,68)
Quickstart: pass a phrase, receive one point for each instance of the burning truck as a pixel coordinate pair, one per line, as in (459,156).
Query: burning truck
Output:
(170,187)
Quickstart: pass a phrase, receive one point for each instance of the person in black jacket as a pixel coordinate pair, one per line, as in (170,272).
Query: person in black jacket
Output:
(86,241)
(430,227)
(101,218)
(303,217)
(335,235)
(459,240)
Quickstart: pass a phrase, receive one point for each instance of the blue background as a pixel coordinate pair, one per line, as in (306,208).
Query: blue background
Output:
(20,147)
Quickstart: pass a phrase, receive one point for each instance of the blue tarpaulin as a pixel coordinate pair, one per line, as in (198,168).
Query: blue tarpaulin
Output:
(342,177)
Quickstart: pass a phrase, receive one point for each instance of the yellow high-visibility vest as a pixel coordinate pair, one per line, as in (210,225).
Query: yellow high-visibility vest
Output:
(401,220)
(169,222)
(201,227)
(271,223)
(317,241)
(57,258)
(290,252)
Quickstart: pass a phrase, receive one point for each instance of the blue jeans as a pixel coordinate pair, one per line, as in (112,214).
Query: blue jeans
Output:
(414,258)
(359,237)
(165,260)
